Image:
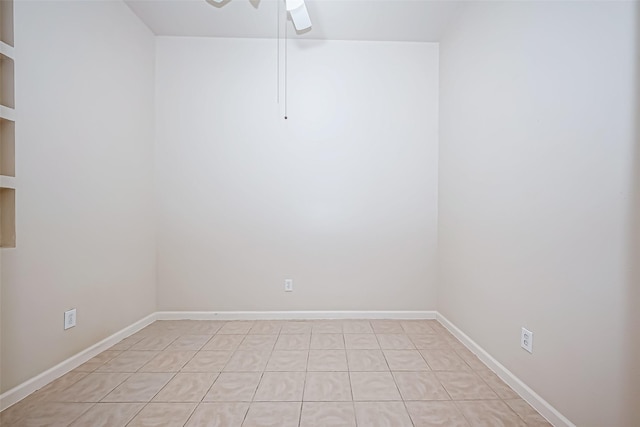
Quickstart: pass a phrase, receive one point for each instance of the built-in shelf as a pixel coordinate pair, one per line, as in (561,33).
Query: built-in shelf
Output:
(7,128)
(7,148)
(7,97)
(6,21)
(7,218)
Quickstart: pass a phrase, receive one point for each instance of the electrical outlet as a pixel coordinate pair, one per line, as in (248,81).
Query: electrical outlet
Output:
(288,285)
(526,340)
(69,319)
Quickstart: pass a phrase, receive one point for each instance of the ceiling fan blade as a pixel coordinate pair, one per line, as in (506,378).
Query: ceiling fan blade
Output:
(299,15)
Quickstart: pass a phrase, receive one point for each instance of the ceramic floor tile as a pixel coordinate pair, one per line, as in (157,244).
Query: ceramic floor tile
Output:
(327,414)
(465,386)
(395,342)
(189,342)
(163,415)
(154,343)
(51,390)
(326,327)
(233,387)
(19,410)
(266,327)
(128,361)
(444,360)
(387,327)
(489,413)
(367,360)
(236,328)
(420,386)
(356,327)
(247,361)
(126,343)
(382,414)
(108,415)
(500,387)
(202,327)
(361,342)
(140,387)
(405,360)
(207,361)
(293,342)
(168,361)
(281,387)
(288,360)
(425,341)
(97,361)
(327,387)
(471,359)
(92,388)
(327,360)
(258,342)
(216,373)
(417,327)
(273,414)
(186,387)
(296,328)
(223,342)
(54,414)
(327,342)
(373,386)
(435,414)
(527,413)
(218,415)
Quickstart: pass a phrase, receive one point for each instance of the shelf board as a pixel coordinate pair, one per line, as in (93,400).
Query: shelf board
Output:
(6,50)
(7,113)
(7,182)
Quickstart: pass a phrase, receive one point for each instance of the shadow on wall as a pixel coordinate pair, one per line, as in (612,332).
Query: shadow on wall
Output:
(632,349)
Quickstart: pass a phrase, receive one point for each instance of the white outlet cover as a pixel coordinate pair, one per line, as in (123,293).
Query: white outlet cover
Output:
(69,319)
(288,285)
(526,340)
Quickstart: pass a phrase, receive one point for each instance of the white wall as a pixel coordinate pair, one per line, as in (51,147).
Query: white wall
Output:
(341,197)
(84,167)
(537,105)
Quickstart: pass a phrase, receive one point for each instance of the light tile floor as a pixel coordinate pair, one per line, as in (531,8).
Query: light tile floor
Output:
(365,373)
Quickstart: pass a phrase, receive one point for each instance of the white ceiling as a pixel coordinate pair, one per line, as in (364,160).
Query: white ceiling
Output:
(376,20)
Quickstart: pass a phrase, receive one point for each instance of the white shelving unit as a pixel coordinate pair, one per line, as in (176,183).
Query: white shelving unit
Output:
(7,128)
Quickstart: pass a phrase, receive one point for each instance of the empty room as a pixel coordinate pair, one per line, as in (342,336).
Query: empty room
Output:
(302,213)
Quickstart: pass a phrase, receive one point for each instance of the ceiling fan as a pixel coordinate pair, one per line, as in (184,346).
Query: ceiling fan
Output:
(297,11)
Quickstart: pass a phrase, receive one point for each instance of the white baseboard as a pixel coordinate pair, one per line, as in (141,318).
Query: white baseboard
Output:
(542,406)
(292,315)
(21,391)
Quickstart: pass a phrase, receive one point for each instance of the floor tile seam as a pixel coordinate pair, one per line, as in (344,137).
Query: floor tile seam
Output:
(25,416)
(64,388)
(150,400)
(457,404)
(306,374)
(137,413)
(442,385)
(81,414)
